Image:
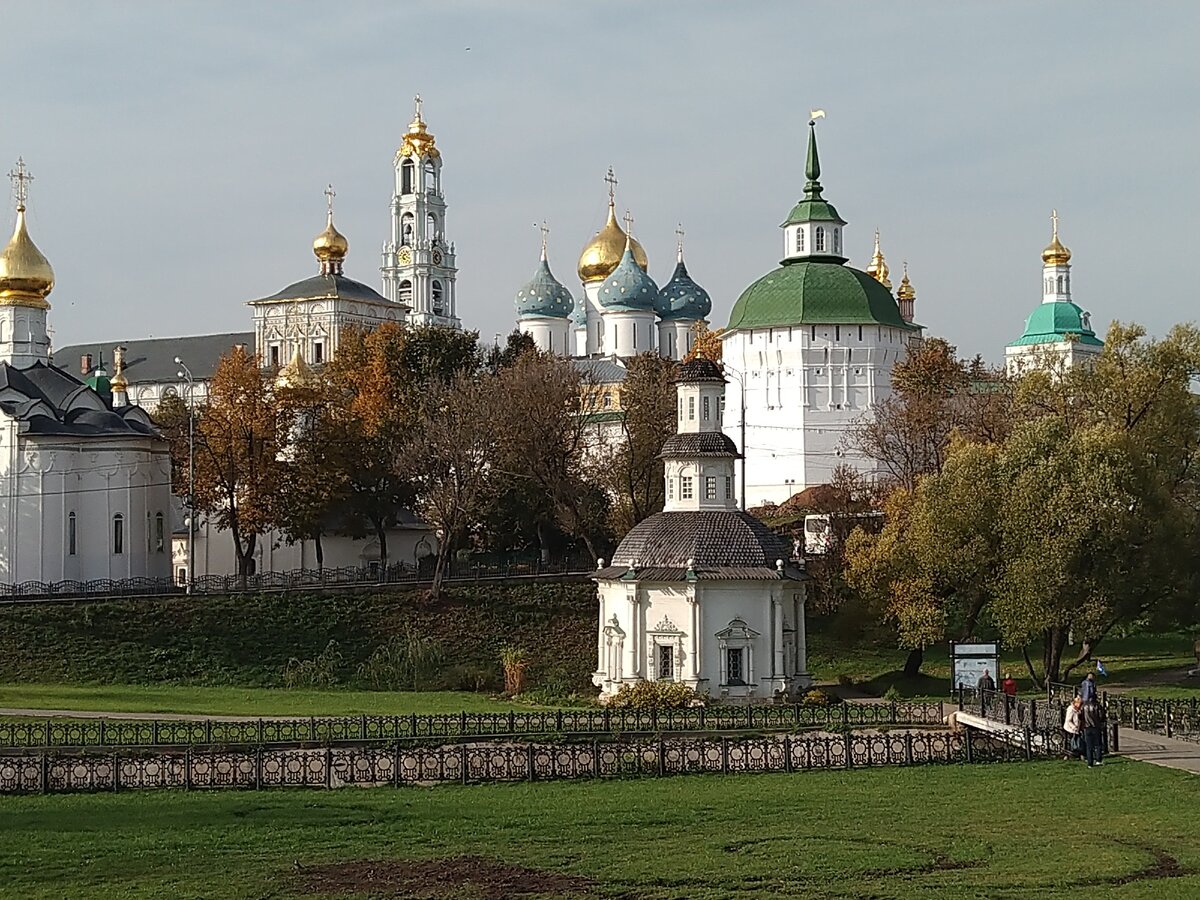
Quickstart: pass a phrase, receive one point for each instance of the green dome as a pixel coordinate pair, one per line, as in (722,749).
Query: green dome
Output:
(1051,323)
(815,293)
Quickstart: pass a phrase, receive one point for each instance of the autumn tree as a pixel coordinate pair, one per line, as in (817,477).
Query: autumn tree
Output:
(449,457)
(171,416)
(633,472)
(546,440)
(237,465)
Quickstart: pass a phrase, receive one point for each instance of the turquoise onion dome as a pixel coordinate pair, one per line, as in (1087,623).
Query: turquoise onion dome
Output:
(628,288)
(682,298)
(579,314)
(543,296)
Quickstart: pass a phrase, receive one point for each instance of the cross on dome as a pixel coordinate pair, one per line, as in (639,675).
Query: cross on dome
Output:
(611,180)
(20,178)
(1054,221)
(628,220)
(679,232)
(330,193)
(417,101)
(545,229)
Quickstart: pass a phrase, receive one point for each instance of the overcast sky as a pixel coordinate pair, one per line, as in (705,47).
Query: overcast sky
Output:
(180,150)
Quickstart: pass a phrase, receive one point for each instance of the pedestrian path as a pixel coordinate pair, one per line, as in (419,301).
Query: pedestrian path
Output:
(1160,750)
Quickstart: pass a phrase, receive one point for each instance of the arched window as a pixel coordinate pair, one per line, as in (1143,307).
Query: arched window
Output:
(406,177)
(160,537)
(819,240)
(71,534)
(1060,284)
(706,408)
(118,534)
(799,240)
(437,297)
(430,177)
(431,223)
(406,230)
(405,295)
(837,240)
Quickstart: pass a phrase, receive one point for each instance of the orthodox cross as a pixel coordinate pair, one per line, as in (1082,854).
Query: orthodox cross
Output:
(628,220)
(1054,220)
(20,178)
(545,237)
(679,238)
(417,100)
(330,193)
(611,180)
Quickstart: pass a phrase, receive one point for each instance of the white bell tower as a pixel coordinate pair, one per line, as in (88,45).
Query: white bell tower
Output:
(418,261)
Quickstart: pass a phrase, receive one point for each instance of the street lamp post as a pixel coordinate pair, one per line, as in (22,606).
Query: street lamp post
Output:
(740,378)
(185,372)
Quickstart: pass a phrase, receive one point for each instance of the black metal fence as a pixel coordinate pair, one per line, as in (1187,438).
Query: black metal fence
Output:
(1170,718)
(398,764)
(458,570)
(80,733)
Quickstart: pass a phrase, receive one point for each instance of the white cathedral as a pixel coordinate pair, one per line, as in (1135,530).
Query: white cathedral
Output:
(85,478)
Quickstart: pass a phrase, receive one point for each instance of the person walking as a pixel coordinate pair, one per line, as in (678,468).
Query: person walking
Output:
(1092,716)
(1087,688)
(986,686)
(1073,728)
(1009,685)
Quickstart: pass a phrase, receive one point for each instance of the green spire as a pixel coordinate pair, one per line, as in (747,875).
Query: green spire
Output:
(812,169)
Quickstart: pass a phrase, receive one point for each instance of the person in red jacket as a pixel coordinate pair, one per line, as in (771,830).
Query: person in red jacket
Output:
(1009,685)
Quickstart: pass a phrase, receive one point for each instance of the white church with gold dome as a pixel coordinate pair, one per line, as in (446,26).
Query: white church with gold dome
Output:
(85,478)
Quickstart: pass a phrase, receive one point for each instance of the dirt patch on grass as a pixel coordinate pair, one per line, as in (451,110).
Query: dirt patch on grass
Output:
(1164,866)
(433,879)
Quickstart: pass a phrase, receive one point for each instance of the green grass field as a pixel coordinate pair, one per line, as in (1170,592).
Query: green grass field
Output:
(1046,830)
(234,701)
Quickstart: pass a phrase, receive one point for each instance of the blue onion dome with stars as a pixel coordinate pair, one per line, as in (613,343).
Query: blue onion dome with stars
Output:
(681,297)
(579,314)
(543,296)
(628,288)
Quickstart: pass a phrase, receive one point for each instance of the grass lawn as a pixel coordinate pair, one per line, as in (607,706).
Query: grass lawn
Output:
(235,701)
(1047,830)
(1134,664)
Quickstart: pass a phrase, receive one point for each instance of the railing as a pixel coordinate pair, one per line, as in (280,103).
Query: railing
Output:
(456,571)
(1170,718)
(90,733)
(399,764)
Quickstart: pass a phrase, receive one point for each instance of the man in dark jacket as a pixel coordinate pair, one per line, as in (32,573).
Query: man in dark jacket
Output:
(1094,719)
(1087,688)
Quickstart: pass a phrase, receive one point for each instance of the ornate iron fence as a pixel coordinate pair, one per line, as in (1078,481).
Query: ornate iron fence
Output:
(360,729)
(458,570)
(398,763)
(1170,718)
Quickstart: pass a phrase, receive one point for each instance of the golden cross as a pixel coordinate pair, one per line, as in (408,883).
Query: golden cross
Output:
(628,219)
(545,236)
(611,180)
(679,238)
(417,100)
(1054,219)
(330,193)
(20,178)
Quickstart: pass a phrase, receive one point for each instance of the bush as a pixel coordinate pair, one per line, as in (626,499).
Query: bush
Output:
(472,677)
(515,661)
(407,662)
(656,695)
(892,693)
(817,697)
(845,681)
(321,672)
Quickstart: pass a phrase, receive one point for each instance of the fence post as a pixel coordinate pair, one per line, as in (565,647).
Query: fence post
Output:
(1135,715)
(893,721)
(187,767)
(466,779)
(312,729)
(846,739)
(703,719)
(1007,710)
(595,758)
(208,731)
(908,755)
(845,715)
(102,735)
(662,758)
(462,723)
(1167,712)
(1115,743)
(961,696)
(529,760)
(44,776)
(412,725)
(328,767)
(1028,744)
(47,732)
(724,755)
(116,766)
(260,731)
(787,754)
(969,744)
(1032,713)
(258,768)
(154,732)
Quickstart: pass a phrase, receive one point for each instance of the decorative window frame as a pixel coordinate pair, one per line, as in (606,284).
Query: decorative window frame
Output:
(737,635)
(664,634)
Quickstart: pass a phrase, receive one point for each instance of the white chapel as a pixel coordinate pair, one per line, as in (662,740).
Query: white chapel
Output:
(702,593)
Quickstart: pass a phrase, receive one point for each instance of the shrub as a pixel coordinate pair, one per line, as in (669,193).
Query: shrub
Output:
(514,660)
(817,697)
(406,662)
(845,681)
(472,677)
(892,693)
(656,695)
(321,672)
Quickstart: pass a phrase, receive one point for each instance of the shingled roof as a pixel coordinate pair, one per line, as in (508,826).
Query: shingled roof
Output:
(704,443)
(721,545)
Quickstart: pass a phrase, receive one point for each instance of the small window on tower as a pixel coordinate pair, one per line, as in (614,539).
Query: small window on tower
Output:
(318,352)
(670,488)
(728,488)
(160,534)
(691,409)
(71,534)
(819,240)
(406,177)
(710,487)
(837,240)
(685,487)
(405,293)
(799,240)
(118,534)
(275,355)
(706,410)
(437,298)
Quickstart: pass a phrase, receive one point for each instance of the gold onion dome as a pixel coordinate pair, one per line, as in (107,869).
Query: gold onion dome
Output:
(296,374)
(603,253)
(330,244)
(906,290)
(26,277)
(1055,253)
(878,269)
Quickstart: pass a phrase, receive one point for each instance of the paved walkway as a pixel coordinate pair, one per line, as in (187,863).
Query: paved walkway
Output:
(1160,750)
